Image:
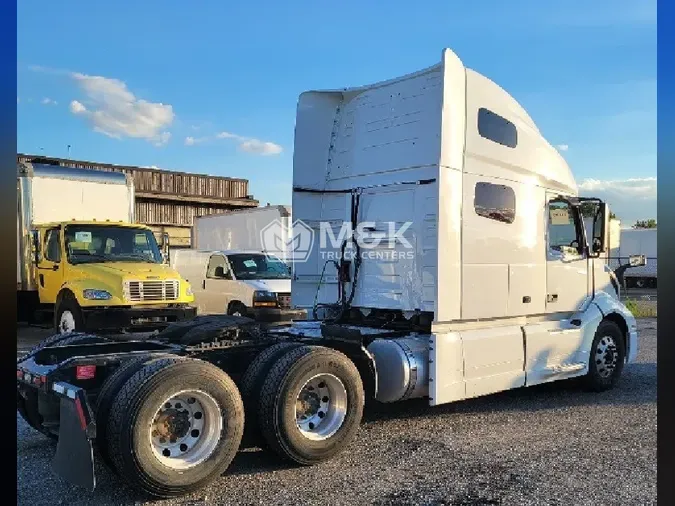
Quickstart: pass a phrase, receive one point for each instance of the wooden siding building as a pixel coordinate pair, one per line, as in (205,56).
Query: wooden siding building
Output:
(168,201)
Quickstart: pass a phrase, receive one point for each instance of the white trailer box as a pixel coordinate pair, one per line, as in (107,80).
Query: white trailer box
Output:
(639,242)
(240,230)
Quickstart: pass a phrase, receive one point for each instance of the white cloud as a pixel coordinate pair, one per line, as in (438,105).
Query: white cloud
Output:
(260,147)
(562,147)
(631,199)
(49,101)
(115,111)
(77,107)
(247,144)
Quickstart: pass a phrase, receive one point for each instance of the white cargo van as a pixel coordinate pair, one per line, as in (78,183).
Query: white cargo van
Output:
(238,282)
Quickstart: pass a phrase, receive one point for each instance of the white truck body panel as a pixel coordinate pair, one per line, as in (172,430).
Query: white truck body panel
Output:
(407,144)
(639,242)
(239,229)
(48,193)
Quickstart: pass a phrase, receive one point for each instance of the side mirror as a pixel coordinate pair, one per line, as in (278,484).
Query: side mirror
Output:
(165,248)
(637,260)
(35,239)
(600,239)
(221,273)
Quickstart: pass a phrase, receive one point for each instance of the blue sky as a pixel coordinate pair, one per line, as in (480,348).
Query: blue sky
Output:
(212,89)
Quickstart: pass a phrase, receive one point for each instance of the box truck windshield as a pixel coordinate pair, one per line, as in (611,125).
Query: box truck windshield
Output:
(101,243)
(248,266)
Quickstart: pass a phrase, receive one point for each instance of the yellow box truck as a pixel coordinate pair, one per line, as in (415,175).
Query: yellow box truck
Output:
(83,260)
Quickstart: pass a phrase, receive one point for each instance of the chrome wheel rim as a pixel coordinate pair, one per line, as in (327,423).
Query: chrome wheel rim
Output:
(186,429)
(67,322)
(321,407)
(606,356)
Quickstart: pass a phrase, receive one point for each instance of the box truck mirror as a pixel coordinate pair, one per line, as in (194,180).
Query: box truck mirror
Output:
(165,248)
(35,238)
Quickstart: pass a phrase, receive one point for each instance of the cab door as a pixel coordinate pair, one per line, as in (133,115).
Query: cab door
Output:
(50,268)
(217,285)
(567,265)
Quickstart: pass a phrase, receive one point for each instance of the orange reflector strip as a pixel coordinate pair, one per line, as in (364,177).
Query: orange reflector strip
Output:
(85,372)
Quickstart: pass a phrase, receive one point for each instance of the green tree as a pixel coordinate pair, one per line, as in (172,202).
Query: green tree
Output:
(650,223)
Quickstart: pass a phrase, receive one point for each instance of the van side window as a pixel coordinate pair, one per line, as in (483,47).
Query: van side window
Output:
(493,127)
(563,234)
(53,242)
(213,271)
(495,201)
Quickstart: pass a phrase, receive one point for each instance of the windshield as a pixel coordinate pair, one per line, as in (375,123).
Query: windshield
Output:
(105,243)
(258,266)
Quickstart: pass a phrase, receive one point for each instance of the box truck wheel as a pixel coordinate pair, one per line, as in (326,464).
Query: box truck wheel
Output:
(607,357)
(106,396)
(311,404)
(68,315)
(175,426)
(236,309)
(252,382)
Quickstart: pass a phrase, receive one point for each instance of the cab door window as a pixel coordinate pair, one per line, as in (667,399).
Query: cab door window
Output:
(53,245)
(218,268)
(563,229)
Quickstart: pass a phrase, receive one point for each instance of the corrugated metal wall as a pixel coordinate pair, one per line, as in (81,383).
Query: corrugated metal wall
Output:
(169,201)
(170,213)
(163,181)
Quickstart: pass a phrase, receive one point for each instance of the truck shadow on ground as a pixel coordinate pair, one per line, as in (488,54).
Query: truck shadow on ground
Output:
(637,386)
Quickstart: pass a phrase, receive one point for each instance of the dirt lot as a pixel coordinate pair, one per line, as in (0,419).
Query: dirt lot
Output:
(553,444)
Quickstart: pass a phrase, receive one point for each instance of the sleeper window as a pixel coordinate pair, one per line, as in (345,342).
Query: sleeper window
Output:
(53,242)
(493,127)
(562,228)
(495,201)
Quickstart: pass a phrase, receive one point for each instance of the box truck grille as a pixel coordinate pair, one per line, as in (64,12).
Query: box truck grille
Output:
(139,291)
(284,300)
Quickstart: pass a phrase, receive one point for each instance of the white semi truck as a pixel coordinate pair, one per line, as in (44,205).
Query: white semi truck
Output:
(470,273)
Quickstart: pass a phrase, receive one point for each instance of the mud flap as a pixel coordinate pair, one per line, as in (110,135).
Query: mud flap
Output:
(74,459)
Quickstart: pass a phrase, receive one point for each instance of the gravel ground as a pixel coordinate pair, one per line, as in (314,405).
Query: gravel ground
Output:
(551,444)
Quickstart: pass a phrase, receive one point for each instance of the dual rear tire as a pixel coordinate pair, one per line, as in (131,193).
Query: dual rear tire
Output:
(170,425)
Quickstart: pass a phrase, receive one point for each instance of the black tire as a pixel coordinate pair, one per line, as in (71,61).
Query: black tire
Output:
(133,411)
(251,384)
(28,406)
(68,303)
(237,309)
(106,397)
(278,403)
(600,377)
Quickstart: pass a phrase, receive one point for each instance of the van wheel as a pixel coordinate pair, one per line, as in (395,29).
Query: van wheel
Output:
(311,404)
(607,357)
(175,426)
(252,382)
(68,316)
(237,309)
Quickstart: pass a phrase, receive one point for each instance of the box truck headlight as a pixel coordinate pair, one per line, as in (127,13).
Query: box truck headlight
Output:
(263,298)
(96,294)
(188,291)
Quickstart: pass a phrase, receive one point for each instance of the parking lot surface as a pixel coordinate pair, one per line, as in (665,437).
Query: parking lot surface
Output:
(552,444)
